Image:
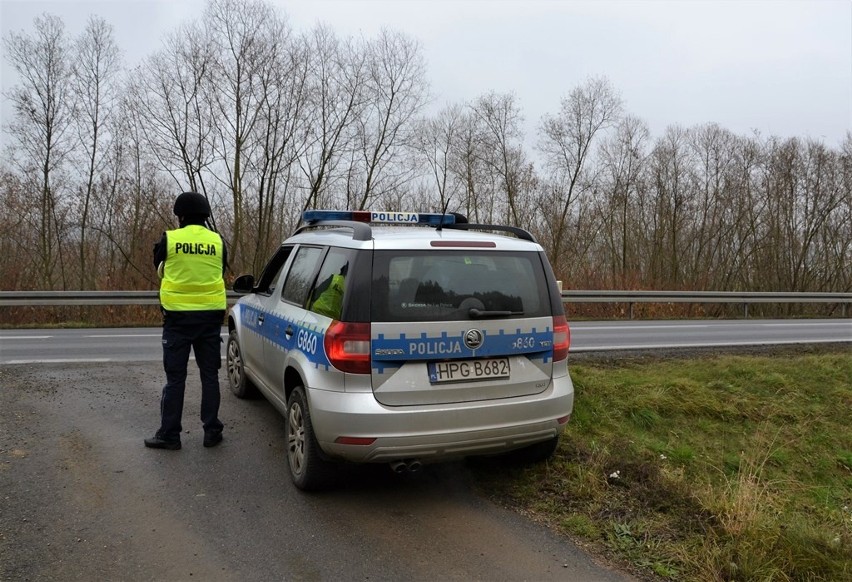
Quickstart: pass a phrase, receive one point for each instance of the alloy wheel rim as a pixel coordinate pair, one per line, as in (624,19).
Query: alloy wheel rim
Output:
(234,364)
(296,439)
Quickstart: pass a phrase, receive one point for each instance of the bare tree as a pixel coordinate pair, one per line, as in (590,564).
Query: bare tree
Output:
(712,224)
(470,171)
(280,144)
(566,143)
(623,159)
(745,212)
(18,245)
(840,235)
(176,121)
(805,196)
(136,203)
(499,120)
(247,40)
(669,172)
(39,130)
(396,91)
(266,124)
(435,142)
(95,90)
(335,101)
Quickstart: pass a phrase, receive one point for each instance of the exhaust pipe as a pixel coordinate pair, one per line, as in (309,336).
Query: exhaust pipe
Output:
(414,465)
(403,465)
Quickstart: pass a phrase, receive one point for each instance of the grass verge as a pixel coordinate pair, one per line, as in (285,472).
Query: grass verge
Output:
(712,468)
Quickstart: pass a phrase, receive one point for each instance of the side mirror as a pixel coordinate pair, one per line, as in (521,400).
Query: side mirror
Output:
(243,284)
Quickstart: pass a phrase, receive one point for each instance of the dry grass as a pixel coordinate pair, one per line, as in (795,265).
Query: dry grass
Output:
(713,468)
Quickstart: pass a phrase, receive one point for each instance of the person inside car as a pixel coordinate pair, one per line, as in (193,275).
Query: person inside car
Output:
(328,296)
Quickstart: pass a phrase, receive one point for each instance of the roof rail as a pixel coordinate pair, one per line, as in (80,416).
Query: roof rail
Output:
(359,222)
(360,230)
(517,231)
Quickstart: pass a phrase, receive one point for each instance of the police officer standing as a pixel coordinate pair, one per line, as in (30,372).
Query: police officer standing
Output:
(191,262)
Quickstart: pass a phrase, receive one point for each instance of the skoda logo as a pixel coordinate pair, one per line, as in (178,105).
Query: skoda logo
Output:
(473,339)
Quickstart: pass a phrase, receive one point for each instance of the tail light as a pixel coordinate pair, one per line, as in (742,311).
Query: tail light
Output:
(347,346)
(561,338)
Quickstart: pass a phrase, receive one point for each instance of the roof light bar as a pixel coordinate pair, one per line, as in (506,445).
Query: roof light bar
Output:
(386,217)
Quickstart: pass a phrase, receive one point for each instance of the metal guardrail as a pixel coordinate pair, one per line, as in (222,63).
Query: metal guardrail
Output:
(742,297)
(31,298)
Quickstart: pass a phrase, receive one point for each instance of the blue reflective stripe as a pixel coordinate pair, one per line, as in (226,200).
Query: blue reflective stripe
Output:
(536,344)
(273,330)
(392,352)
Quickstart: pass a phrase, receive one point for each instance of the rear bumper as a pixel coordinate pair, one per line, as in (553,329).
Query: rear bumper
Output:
(437,432)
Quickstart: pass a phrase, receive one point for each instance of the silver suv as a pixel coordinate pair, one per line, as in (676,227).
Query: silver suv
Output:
(404,338)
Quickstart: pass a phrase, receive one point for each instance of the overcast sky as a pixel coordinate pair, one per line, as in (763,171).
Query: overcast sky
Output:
(779,67)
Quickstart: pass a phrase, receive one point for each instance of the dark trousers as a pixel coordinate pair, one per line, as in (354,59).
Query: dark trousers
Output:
(204,338)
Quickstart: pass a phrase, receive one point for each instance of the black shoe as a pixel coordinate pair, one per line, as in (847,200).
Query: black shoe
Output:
(156,442)
(211,439)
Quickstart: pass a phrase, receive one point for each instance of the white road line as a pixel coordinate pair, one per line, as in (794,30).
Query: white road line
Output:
(706,345)
(124,335)
(24,337)
(84,360)
(61,361)
(129,335)
(799,324)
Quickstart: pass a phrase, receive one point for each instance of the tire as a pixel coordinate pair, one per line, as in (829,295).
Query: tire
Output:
(240,385)
(535,453)
(310,472)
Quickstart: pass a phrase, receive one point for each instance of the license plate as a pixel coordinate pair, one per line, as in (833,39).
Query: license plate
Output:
(468,370)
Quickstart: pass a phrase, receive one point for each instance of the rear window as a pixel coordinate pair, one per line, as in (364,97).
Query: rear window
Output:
(430,286)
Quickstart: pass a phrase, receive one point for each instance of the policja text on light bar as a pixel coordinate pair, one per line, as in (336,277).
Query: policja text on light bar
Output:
(434,219)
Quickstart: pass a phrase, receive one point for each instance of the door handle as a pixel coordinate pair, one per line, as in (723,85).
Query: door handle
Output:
(289,331)
(260,319)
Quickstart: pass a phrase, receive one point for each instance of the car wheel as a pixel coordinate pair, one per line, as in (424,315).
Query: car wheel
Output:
(535,453)
(307,468)
(240,385)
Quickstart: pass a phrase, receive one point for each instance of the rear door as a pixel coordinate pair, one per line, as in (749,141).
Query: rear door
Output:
(459,326)
(284,324)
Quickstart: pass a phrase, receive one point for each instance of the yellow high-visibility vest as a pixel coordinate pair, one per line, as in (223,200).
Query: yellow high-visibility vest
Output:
(192,274)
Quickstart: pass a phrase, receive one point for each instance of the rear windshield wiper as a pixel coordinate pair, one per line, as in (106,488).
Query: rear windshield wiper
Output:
(480,314)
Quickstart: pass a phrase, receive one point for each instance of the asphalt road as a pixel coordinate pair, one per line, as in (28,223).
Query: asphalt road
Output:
(82,499)
(143,344)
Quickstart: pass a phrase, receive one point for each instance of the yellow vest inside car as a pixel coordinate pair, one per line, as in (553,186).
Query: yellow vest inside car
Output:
(192,274)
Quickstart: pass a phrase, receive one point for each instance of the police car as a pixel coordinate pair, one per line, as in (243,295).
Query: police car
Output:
(403,338)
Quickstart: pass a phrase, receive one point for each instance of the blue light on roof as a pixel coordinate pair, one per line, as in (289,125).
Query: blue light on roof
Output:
(384,217)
